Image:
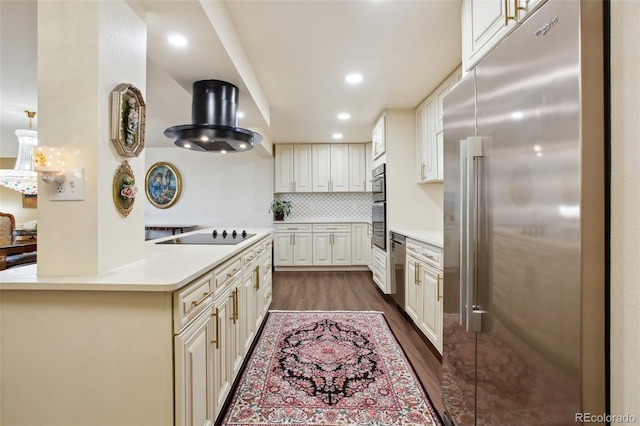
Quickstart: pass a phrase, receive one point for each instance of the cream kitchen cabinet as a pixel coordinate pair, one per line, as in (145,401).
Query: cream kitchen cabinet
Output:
(332,244)
(331,168)
(360,244)
(293,168)
(379,270)
(292,245)
(486,22)
(429,132)
(423,283)
(357,168)
(378,138)
(367,167)
(218,316)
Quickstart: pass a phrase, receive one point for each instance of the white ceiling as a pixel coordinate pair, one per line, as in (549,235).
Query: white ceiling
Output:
(289,59)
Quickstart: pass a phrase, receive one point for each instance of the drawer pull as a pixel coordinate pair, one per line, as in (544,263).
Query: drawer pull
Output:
(230,274)
(439,295)
(430,257)
(257,277)
(194,303)
(217,341)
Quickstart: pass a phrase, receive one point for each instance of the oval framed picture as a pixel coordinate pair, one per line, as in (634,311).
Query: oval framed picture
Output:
(163,185)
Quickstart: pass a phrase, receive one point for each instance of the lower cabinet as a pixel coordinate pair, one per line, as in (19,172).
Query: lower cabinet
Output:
(292,245)
(218,317)
(379,268)
(332,244)
(423,283)
(322,244)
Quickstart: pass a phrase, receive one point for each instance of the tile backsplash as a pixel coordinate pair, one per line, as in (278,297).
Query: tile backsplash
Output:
(330,207)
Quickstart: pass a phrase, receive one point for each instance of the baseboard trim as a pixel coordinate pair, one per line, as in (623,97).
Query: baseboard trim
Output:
(322,268)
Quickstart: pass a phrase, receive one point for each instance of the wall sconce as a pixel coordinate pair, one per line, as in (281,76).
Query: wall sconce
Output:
(49,161)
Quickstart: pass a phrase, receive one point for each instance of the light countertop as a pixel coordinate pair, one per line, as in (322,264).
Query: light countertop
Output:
(429,237)
(165,267)
(289,221)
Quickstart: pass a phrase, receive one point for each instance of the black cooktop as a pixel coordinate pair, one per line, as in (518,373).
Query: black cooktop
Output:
(214,238)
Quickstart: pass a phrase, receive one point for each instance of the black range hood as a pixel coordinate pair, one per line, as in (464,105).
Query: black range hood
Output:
(214,117)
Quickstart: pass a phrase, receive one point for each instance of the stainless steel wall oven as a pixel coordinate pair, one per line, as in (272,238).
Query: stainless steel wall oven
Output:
(379,208)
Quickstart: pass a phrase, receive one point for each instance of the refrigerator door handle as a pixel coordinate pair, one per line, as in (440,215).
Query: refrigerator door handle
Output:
(470,217)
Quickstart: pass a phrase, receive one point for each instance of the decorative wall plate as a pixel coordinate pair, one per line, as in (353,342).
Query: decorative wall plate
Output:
(124,189)
(163,185)
(127,120)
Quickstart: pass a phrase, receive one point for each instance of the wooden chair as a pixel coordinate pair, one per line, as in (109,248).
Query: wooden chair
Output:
(7,226)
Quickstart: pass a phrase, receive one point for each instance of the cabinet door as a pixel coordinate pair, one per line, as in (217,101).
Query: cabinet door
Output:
(430,156)
(440,93)
(283,249)
(194,393)
(283,172)
(367,167)
(341,248)
(412,289)
(302,249)
(357,168)
(484,23)
(222,375)
(321,170)
(431,312)
(302,168)
(421,141)
(247,306)
(378,138)
(359,247)
(234,343)
(322,248)
(439,142)
(339,168)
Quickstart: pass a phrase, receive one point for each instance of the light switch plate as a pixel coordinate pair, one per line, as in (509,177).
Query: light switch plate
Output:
(72,189)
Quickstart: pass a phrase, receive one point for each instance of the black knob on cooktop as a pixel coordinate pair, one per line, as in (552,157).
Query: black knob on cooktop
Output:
(224,234)
(244,233)
(215,233)
(234,233)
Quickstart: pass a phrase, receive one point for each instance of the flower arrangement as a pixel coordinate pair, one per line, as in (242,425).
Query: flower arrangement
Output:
(128,189)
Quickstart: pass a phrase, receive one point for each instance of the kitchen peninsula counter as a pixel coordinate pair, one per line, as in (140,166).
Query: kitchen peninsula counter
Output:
(166,267)
(106,349)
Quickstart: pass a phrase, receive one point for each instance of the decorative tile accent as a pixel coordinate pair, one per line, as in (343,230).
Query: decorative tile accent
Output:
(328,207)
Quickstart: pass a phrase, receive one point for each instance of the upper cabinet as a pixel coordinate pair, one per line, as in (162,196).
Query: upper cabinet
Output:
(486,22)
(293,168)
(429,132)
(378,138)
(321,168)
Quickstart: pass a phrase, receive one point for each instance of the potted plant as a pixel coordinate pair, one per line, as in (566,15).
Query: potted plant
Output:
(280,209)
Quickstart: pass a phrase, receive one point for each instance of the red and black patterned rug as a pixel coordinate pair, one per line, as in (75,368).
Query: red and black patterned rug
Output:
(329,368)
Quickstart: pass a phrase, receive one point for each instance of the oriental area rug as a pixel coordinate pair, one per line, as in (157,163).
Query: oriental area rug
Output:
(328,368)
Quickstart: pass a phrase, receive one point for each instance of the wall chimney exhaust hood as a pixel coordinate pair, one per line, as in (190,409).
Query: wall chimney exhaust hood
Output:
(215,124)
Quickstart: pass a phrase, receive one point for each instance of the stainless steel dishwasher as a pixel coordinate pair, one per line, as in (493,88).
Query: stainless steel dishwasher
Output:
(398,257)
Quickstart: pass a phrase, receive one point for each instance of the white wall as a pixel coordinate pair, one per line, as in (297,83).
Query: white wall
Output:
(220,190)
(625,208)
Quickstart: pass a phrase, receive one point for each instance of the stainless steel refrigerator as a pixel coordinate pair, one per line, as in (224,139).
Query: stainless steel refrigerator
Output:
(524,212)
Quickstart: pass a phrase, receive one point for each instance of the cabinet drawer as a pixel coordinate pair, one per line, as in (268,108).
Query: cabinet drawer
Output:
(332,227)
(191,300)
(380,260)
(224,273)
(413,247)
(292,227)
(432,255)
(250,254)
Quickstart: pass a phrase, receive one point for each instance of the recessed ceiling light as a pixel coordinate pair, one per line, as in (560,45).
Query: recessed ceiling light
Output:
(243,145)
(354,78)
(223,151)
(344,116)
(337,135)
(187,145)
(177,40)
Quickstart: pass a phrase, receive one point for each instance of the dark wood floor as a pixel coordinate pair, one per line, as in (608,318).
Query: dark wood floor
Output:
(356,291)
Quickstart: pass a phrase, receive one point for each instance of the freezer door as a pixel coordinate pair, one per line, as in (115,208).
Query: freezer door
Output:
(528,105)
(458,353)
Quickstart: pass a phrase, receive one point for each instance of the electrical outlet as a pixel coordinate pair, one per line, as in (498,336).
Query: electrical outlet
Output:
(72,189)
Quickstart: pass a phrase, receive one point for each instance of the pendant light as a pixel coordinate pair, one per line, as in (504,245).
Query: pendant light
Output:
(22,177)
